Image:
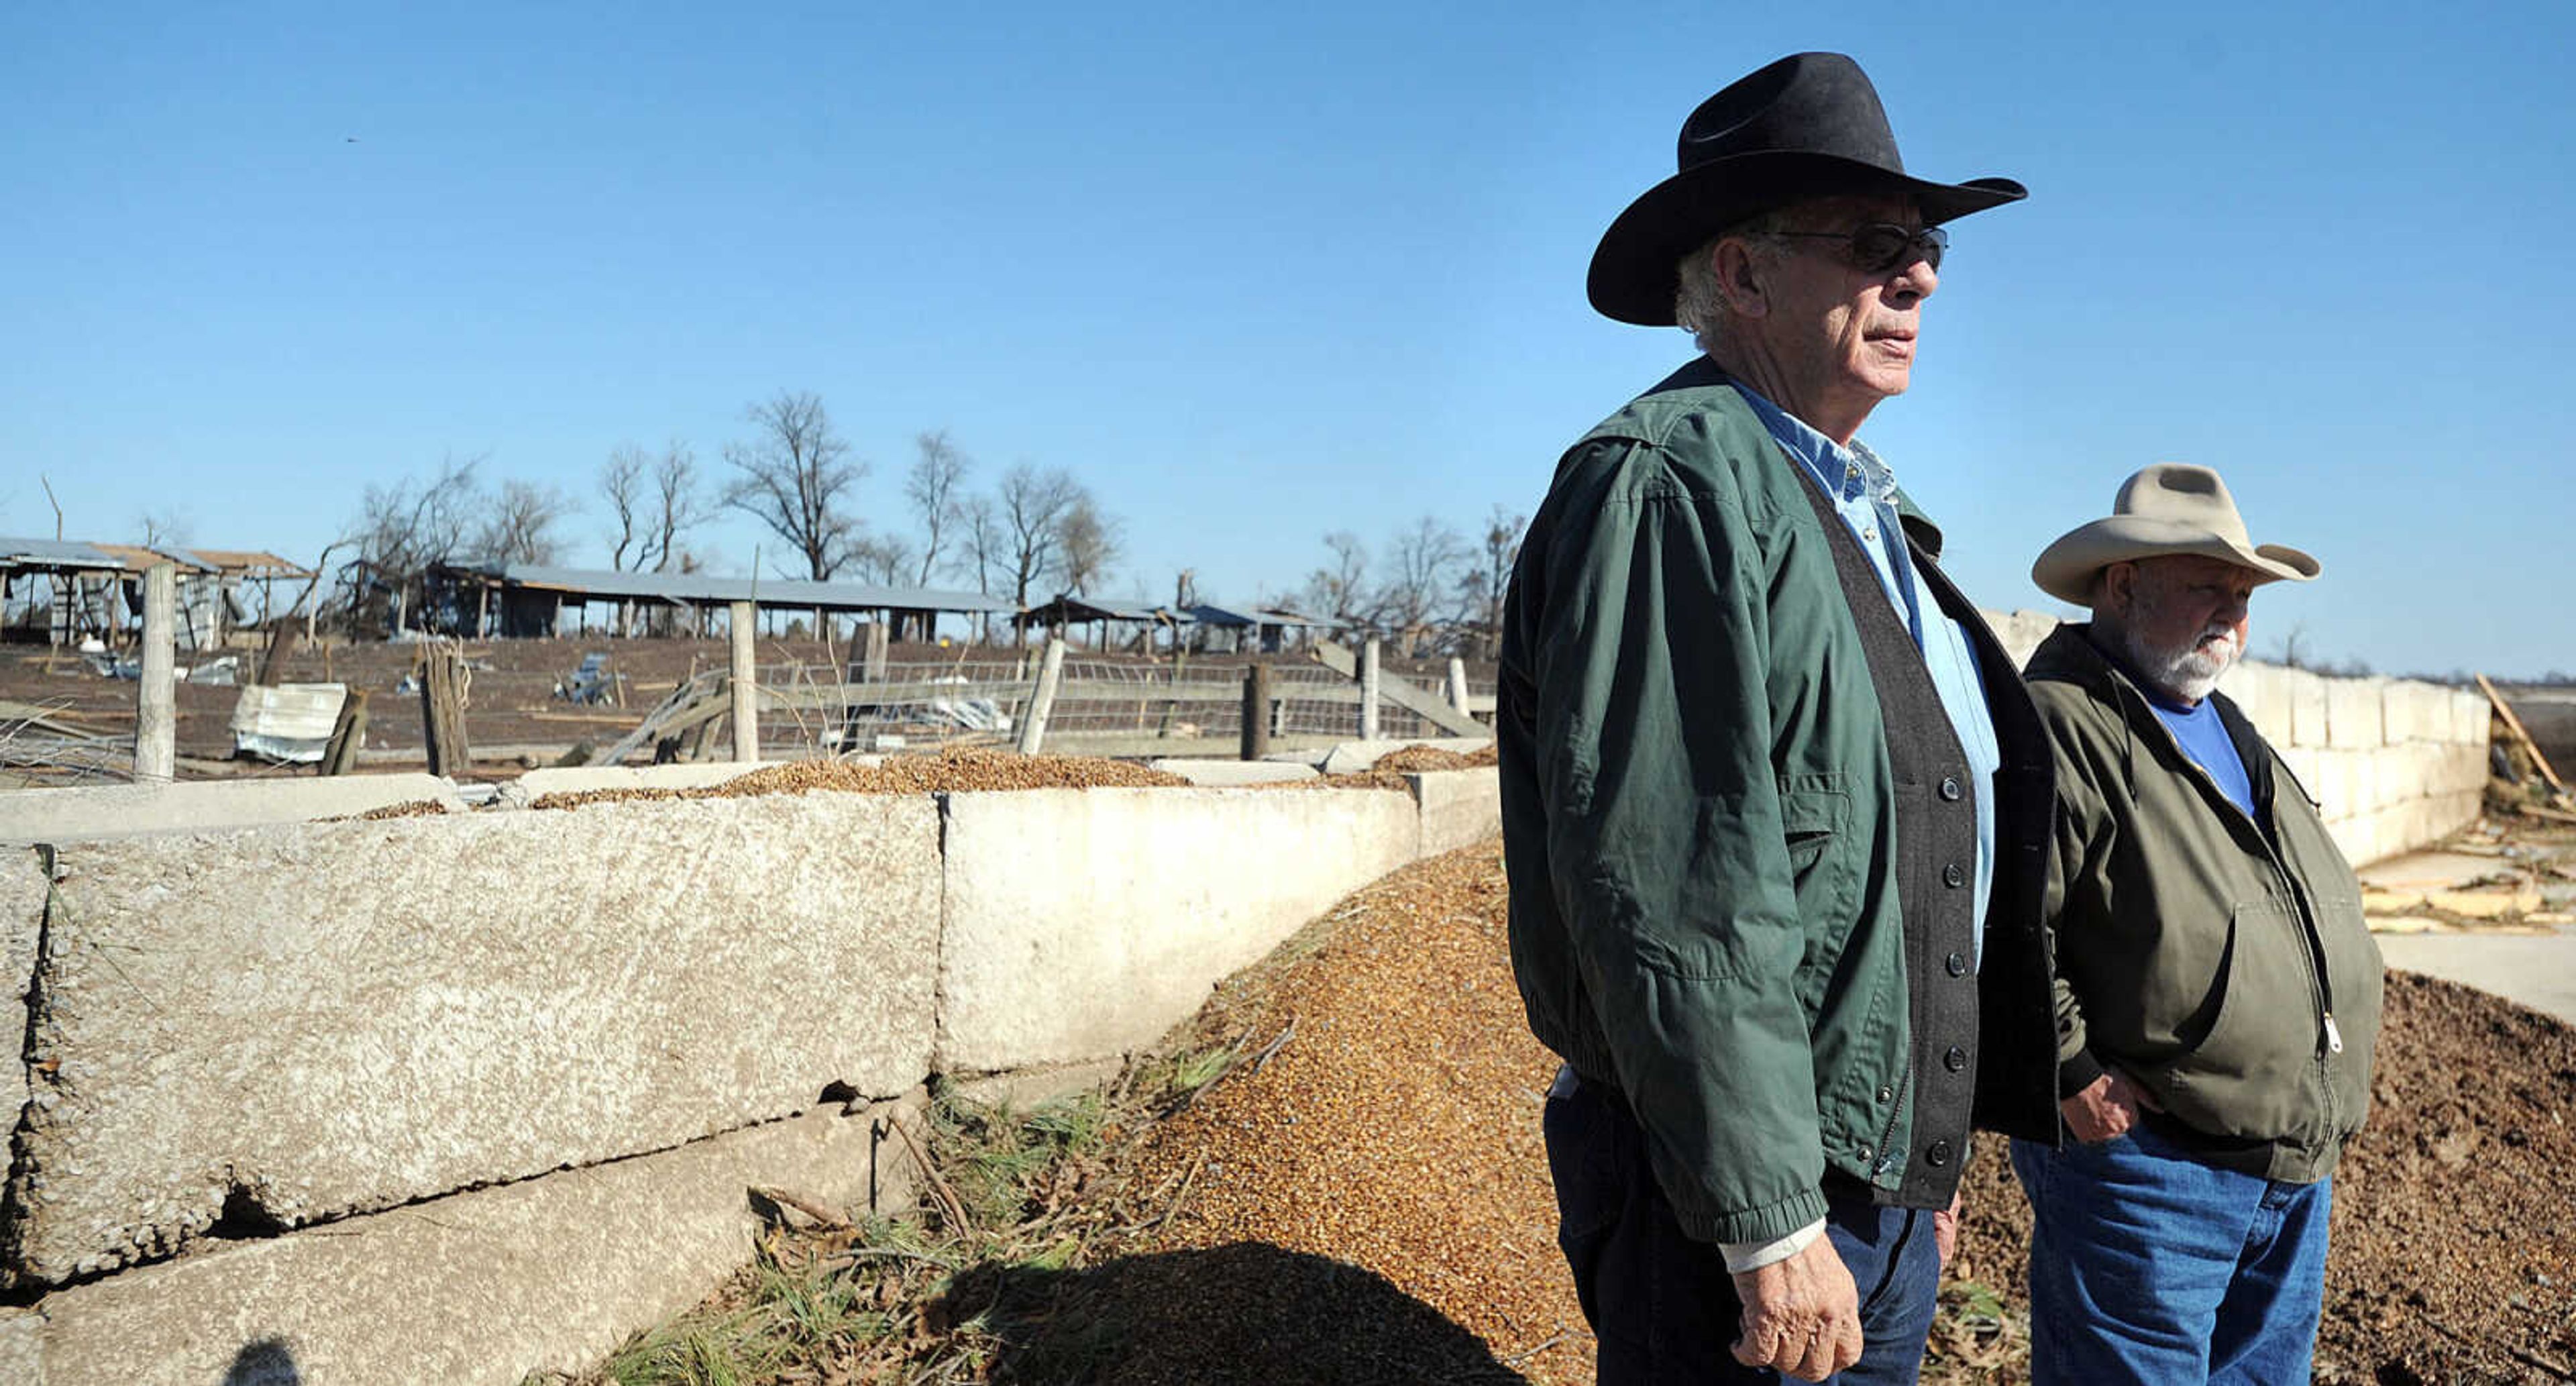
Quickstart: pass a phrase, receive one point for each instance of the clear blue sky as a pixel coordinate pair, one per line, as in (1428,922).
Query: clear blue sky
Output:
(1258,273)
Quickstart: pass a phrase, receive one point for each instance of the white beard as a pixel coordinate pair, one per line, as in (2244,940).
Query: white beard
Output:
(2191,672)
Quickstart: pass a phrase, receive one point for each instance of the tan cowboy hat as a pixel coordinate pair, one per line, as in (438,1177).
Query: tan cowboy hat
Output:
(2169,508)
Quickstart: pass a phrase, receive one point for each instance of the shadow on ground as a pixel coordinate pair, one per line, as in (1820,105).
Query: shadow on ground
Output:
(1248,1312)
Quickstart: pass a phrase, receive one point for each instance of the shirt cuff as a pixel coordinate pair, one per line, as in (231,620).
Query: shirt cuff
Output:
(1752,1256)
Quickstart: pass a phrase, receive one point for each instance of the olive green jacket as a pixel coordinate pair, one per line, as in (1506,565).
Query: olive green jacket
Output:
(2219,960)
(1698,817)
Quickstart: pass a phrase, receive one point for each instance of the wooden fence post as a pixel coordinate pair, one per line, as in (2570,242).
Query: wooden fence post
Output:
(1368,690)
(867,665)
(1042,701)
(442,706)
(1256,710)
(745,684)
(156,705)
(348,734)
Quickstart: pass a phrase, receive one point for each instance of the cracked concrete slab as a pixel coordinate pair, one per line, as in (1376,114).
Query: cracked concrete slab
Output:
(488,1286)
(286,1025)
(1084,923)
(23,883)
(91,813)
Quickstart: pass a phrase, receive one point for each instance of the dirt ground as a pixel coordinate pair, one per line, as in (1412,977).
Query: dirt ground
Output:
(512,714)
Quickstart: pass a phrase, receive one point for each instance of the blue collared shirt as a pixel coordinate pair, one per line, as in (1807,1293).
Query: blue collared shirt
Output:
(1863,491)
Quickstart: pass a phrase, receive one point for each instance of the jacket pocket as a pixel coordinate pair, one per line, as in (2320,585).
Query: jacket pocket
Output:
(2253,1074)
(1815,822)
(1815,818)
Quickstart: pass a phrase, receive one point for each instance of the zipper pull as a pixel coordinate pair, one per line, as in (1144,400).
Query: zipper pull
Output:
(2334,1037)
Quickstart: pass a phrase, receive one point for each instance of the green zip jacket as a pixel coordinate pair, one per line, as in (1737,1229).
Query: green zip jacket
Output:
(1698,821)
(2219,960)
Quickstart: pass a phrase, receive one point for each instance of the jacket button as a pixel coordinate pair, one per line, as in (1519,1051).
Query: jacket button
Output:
(1953,877)
(1867,1154)
(1950,788)
(1957,963)
(1955,1060)
(1886,1094)
(1939,1154)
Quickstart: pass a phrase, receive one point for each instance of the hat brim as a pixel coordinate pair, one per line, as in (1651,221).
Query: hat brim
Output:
(2067,569)
(1634,269)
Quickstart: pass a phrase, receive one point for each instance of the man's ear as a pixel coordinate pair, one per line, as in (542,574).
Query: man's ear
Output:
(1739,280)
(2113,588)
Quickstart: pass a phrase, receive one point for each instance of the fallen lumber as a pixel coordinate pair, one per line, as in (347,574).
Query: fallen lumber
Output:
(2505,710)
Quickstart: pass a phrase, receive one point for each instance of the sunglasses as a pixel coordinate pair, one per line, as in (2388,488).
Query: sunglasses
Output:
(1881,246)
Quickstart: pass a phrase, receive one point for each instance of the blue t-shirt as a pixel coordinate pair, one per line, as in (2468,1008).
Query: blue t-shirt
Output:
(2204,738)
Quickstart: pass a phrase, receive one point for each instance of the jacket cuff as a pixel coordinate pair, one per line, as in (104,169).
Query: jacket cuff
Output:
(2076,1073)
(1768,1224)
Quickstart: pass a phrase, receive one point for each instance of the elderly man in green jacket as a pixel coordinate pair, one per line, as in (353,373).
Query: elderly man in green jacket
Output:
(1774,802)
(2220,992)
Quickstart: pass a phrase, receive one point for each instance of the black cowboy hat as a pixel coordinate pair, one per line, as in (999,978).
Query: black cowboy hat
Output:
(1806,126)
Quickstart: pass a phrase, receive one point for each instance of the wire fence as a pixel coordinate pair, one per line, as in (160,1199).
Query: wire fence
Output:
(1100,706)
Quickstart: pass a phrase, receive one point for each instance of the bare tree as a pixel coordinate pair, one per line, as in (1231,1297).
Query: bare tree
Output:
(518,524)
(401,530)
(621,484)
(795,476)
(1339,591)
(163,527)
(980,526)
(885,560)
(931,487)
(678,505)
(1087,542)
(1030,508)
(1484,584)
(1423,559)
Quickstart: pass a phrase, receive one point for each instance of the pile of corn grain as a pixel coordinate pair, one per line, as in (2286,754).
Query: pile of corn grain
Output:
(951,772)
(1383,1161)
(1391,768)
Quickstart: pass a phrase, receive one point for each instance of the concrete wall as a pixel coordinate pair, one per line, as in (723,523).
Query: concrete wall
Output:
(466,1096)
(347,1016)
(1060,900)
(97,812)
(2392,764)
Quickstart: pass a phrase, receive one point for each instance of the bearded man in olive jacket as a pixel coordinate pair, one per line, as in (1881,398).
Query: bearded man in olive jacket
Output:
(1774,801)
(2220,991)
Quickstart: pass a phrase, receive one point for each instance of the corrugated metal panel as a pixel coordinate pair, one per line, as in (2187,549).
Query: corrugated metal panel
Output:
(250,562)
(290,723)
(137,558)
(64,552)
(1207,614)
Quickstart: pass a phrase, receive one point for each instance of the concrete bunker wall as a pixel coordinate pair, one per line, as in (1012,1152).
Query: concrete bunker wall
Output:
(460,1097)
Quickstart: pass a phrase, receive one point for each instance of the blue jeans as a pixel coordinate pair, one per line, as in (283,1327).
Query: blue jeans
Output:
(1663,1305)
(2148,1266)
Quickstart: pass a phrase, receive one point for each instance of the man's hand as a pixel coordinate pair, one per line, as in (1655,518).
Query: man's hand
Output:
(2104,1110)
(1802,1315)
(1945,1231)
